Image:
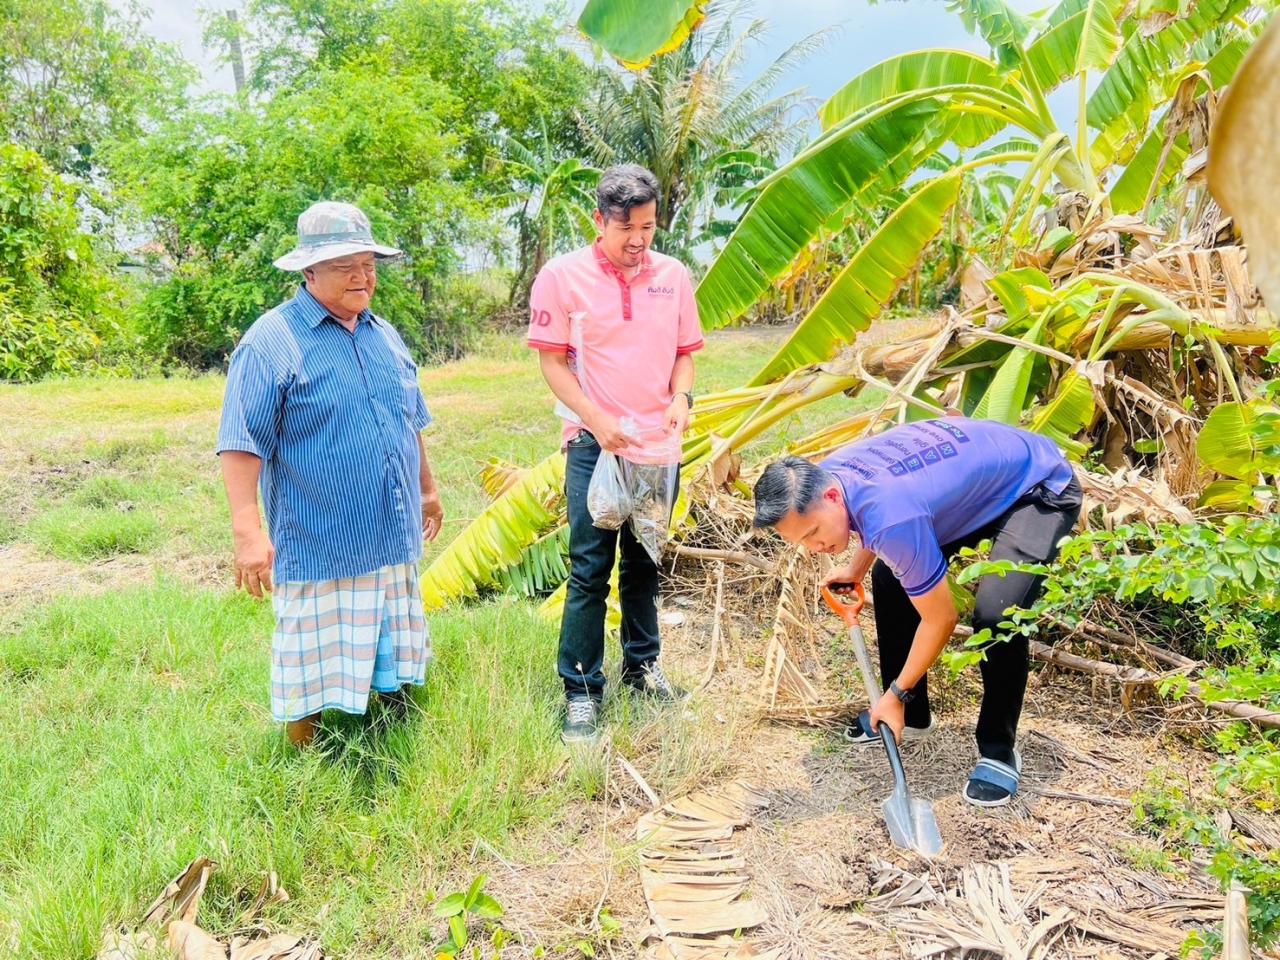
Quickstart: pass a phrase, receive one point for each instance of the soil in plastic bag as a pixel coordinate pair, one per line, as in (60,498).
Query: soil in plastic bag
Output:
(652,488)
(608,499)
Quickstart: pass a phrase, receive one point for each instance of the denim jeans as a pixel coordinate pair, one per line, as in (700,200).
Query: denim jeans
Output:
(1027,533)
(591,556)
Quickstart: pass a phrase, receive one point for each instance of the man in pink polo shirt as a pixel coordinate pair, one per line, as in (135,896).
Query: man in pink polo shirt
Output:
(615,326)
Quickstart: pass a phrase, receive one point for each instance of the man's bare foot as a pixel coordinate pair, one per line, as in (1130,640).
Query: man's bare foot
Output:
(302,732)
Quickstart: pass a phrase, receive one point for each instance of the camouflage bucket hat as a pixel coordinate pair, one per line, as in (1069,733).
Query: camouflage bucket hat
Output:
(328,230)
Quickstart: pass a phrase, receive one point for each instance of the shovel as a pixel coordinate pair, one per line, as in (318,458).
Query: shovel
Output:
(910,820)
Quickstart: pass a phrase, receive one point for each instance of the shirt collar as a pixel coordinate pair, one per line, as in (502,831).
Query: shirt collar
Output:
(848,510)
(314,313)
(646,262)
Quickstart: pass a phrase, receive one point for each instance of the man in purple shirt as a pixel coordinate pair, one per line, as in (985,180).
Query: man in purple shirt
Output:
(915,495)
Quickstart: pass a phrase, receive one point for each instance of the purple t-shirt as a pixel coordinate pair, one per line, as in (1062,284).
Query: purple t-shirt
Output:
(915,487)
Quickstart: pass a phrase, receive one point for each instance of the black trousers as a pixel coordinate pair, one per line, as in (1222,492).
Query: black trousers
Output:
(591,554)
(1027,533)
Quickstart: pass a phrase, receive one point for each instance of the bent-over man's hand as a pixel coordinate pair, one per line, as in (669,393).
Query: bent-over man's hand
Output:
(891,711)
(254,557)
(432,516)
(855,571)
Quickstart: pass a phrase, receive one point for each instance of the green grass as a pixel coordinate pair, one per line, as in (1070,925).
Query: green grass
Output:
(94,533)
(136,733)
(136,737)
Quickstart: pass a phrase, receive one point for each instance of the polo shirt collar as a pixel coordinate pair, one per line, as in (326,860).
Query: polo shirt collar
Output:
(314,313)
(646,262)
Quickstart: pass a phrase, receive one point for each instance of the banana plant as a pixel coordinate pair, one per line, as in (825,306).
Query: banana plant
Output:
(499,537)
(880,128)
(886,145)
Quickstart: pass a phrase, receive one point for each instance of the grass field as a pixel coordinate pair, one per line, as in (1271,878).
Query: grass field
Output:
(136,733)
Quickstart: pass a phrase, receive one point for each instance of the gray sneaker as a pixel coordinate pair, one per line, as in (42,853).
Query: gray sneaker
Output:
(652,682)
(580,721)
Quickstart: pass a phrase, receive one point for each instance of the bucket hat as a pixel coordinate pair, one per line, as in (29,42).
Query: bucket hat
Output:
(328,230)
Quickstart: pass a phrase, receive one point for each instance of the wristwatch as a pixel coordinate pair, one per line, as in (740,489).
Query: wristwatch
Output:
(906,696)
(688,395)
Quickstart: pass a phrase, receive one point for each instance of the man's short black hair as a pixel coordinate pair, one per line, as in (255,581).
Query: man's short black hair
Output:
(625,186)
(791,483)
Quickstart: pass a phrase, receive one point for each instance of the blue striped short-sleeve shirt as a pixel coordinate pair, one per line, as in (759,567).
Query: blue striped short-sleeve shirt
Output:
(335,418)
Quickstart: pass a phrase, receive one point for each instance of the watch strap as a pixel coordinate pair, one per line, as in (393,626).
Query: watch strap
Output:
(906,696)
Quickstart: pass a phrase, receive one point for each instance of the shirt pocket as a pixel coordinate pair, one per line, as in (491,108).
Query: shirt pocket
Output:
(409,393)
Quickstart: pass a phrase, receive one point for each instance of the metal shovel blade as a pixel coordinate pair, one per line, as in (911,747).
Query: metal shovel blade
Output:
(911,824)
(910,820)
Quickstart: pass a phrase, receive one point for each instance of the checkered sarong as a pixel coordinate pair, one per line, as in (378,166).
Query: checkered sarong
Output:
(337,639)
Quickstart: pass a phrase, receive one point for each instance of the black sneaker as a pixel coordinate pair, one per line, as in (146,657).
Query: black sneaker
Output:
(860,732)
(580,721)
(652,682)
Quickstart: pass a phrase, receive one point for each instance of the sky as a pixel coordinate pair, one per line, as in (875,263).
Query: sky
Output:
(867,34)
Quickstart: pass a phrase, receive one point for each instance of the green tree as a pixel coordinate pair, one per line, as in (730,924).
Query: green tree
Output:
(221,191)
(78,73)
(499,57)
(692,119)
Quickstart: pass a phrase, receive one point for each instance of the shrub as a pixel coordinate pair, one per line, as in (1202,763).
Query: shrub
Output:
(1211,592)
(57,302)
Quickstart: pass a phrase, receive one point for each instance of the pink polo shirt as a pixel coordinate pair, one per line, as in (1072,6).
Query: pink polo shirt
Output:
(630,333)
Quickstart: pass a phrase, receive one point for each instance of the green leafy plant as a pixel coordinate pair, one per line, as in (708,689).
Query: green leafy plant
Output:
(1241,441)
(1211,593)
(1166,809)
(57,301)
(478,906)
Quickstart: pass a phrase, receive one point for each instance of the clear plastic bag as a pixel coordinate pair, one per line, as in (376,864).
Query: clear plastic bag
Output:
(608,496)
(652,488)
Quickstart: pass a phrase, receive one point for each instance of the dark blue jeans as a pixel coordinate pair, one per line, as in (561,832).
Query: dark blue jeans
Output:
(591,555)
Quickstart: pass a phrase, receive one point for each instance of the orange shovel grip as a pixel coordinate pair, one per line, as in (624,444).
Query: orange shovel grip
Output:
(847,610)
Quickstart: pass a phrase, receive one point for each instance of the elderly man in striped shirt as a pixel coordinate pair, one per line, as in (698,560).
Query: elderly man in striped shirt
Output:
(323,410)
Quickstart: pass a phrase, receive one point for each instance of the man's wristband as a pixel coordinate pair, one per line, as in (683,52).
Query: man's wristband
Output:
(688,396)
(906,696)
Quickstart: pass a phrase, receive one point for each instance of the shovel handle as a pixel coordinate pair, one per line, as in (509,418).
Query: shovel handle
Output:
(895,757)
(836,595)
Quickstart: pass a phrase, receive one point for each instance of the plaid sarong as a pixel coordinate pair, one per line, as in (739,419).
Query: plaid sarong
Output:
(337,639)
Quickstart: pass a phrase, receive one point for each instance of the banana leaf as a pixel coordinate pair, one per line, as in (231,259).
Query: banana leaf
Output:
(1241,440)
(1003,27)
(914,71)
(1070,410)
(798,200)
(1008,393)
(833,436)
(1015,290)
(868,281)
(498,537)
(1126,89)
(542,567)
(1134,185)
(1082,34)
(636,31)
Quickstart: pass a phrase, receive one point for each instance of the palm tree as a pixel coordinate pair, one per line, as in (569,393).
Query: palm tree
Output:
(689,118)
(555,197)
